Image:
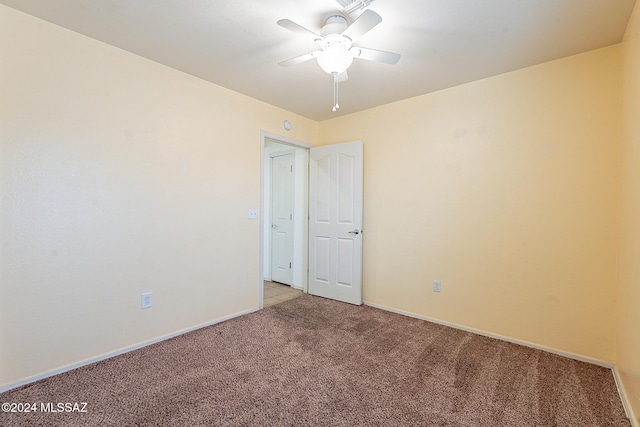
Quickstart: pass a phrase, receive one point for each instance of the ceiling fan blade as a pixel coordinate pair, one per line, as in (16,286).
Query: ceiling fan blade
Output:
(343,77)
(362,25)
(299,59)
(298,29)
(376,55)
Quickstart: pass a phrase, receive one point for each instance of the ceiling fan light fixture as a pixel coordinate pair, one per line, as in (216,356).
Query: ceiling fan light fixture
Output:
(335,59)
(335,41)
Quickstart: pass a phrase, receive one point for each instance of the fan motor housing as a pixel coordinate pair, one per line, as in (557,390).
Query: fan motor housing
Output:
(334,24)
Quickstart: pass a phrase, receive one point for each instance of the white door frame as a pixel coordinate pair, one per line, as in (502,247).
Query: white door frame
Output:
(264,136)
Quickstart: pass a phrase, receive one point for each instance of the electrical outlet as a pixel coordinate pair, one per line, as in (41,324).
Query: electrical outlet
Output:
(146,300)
(436,286)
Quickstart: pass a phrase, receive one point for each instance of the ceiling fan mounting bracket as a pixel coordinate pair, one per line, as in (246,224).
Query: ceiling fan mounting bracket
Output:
(336,19)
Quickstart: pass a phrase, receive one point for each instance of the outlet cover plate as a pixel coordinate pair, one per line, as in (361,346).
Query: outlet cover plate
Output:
(436,286)
(146,300)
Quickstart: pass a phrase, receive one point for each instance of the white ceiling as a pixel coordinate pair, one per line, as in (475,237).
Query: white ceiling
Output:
(237,44)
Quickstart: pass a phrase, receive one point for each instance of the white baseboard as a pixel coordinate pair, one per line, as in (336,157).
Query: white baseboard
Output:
(496,336)
(34,378)
(628,408)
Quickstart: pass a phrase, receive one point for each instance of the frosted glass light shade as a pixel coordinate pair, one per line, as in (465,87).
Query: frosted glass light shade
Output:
(335,59)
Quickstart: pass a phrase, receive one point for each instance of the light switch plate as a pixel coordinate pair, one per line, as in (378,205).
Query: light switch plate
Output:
(253,214)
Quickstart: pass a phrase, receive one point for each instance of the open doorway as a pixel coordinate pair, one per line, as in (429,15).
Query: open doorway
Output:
(283,199)
(284,208)
(332,177)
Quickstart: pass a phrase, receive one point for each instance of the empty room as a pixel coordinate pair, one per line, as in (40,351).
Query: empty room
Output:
(305,212)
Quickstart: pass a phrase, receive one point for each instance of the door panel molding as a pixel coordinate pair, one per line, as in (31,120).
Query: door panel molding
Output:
(335,219)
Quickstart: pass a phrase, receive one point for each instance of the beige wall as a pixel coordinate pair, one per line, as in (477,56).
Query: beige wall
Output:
(118,176)
(629,300)
(505,190)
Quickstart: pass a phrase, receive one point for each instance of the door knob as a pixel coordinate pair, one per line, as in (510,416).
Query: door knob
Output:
(274,226)
(356,231)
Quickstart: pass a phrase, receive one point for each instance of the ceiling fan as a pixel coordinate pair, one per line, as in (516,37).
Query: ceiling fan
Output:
(336,40)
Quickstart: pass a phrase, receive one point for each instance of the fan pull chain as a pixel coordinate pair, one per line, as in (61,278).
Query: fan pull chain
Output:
(335,92)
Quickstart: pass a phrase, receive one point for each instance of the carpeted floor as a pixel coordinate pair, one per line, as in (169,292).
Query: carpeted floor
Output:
(317,362)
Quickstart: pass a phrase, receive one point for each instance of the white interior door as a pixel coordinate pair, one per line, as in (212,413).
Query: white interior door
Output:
(335,221)
(282,188)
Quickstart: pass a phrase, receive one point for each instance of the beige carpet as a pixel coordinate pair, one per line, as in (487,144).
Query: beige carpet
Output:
(316,362)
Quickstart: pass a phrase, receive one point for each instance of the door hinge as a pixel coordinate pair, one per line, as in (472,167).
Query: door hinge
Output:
(291,168)
(289,265)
